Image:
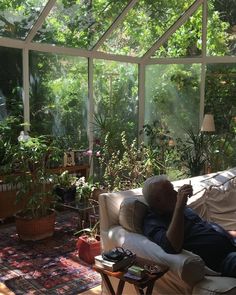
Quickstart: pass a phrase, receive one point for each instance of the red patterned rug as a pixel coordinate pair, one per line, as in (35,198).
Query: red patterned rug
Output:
(50,266)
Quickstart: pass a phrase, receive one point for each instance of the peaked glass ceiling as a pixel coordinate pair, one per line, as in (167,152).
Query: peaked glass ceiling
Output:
(79,23)
(17,17)
(186,41)
(124,27)
(143,25)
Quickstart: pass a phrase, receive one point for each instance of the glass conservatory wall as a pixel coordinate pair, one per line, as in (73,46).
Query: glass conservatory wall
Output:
(220,100)
(59,97)
(172,97)
(59,83)
(80,24)
(115,99)
(11,103)
(115,91)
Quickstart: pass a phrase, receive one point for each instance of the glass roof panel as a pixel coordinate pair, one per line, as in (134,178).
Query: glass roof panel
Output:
(186,41)
(144,24)
(79,23)
(17,17)
(221,28)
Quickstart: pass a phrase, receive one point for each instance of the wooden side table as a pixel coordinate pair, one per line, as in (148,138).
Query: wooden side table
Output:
(139,285)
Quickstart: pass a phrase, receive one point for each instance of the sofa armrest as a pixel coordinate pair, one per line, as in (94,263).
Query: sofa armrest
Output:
(186,265)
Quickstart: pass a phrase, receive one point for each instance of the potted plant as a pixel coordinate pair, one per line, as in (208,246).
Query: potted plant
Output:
(192,151)
(84,190)
(65,186)
(33,185)
(88,243)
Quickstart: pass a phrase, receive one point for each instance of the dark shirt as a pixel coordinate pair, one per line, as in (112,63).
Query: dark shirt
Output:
(208,240)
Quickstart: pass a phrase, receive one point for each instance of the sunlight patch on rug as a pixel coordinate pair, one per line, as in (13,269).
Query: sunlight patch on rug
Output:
(51,266)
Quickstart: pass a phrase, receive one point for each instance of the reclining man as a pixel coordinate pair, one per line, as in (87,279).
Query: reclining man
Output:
(174,226)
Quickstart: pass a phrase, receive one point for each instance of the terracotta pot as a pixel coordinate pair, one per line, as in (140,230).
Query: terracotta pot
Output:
(88,249)
(35,229)
(8,204)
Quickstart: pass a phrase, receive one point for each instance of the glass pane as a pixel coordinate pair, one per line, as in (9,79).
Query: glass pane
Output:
(79,23)
(144,24)
(11,103)
(116,108)
(59,96)
(220,100)
(17,17)
(116,100)
(172,97)
(186,41)
(221,30)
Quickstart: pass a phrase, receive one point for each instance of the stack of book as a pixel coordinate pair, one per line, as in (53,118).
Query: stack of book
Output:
(114,266)
(135,272)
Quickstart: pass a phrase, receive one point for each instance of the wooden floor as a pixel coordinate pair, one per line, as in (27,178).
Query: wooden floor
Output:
(5,291)
(94,291)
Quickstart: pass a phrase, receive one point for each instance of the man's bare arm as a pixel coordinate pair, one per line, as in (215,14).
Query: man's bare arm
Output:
(175,232)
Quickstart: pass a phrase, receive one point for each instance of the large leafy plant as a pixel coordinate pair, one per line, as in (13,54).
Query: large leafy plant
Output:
(33,181)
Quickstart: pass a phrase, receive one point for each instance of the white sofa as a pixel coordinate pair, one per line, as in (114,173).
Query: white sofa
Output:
(121,215)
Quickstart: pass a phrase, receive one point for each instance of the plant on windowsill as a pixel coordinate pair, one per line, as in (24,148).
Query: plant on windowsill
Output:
(88,243)
(33,185)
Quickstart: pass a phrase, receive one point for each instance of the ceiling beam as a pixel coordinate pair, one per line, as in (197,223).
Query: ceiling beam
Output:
(192,60)
(180,21)
(82,52)
(13,43)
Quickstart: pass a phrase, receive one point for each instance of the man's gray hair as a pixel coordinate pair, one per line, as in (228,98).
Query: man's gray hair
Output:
(148,185)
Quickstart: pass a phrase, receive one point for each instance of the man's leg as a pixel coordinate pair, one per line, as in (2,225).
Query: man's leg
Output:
(228,266)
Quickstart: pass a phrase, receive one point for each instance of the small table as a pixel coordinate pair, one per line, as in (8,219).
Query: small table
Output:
(139,285)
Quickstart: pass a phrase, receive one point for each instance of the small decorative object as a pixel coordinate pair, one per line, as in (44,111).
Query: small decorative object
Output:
(69,159)
(79,157)
(23,136)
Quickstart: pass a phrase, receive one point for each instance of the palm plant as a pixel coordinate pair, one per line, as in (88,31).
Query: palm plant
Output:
(193,152)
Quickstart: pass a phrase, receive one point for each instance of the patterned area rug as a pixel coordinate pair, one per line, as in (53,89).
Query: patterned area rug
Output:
(51,266)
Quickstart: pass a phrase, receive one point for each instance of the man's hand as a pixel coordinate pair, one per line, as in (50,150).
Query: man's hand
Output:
(175,232)
(184,193)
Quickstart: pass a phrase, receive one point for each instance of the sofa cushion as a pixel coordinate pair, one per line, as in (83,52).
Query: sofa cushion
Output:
(132,212)
(221,205)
